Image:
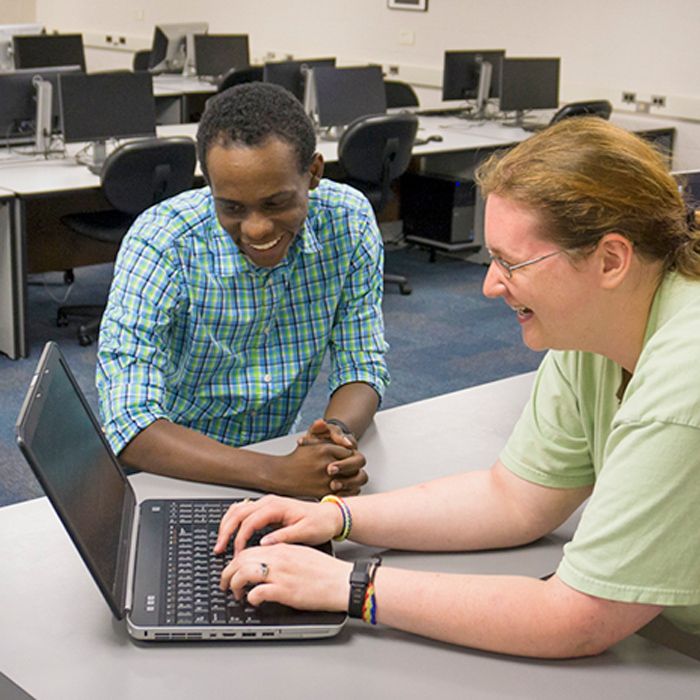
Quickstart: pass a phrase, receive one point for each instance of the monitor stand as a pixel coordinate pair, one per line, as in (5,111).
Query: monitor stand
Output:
(482,94)
(99,155)
(332,133)
(519,121)
(44,97)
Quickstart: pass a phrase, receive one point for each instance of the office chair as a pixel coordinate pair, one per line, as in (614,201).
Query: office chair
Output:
(374,151)
(142,60)
(236,76)
(591,108)
(399,94)
(135,176)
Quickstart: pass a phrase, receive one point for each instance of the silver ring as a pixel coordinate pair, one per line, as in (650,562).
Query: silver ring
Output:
(264,568)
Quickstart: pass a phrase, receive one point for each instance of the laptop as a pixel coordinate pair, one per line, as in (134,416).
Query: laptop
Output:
(136,551)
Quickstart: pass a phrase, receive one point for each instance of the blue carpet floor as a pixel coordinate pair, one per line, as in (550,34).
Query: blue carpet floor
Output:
(444,337)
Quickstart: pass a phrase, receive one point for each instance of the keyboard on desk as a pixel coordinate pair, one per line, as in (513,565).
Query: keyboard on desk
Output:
(449,112)
(192,593)
(534,127)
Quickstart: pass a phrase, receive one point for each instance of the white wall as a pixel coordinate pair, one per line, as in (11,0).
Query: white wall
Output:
(649,47)
(17,11)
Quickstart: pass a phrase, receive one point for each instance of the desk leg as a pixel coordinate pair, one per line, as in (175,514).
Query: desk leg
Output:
(13,280)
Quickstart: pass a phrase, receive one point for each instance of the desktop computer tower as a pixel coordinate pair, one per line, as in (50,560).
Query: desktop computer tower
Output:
(438,207)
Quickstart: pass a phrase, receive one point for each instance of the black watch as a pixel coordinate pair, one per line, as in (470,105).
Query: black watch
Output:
(359,580)
(341,425)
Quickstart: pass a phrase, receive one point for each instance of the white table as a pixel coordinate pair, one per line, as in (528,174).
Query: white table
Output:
(59,641)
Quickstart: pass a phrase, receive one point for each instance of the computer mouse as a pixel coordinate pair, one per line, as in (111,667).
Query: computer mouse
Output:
(434,137)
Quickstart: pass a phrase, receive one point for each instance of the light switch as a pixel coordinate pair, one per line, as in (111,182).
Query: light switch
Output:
(407,37)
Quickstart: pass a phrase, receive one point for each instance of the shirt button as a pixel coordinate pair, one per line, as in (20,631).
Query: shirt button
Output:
(267,378)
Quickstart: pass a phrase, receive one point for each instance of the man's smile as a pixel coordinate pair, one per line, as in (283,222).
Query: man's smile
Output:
(265,246)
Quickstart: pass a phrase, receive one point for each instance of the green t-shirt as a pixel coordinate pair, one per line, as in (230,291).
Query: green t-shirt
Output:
(638,539)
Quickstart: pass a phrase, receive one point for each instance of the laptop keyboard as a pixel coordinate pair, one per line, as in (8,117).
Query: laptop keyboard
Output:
(193,596)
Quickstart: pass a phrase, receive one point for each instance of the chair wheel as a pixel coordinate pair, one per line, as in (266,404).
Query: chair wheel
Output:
(405,289)
(68,277)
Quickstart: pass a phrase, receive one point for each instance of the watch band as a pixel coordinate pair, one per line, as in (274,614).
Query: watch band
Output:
(359,580)
(341,425)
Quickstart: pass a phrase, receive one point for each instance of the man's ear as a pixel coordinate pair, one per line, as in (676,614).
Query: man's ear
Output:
(316,171)
(616,253)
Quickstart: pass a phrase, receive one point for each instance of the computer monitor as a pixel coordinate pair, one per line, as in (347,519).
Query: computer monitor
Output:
(173,47)
(344,94)
(48,50)
(689,185)
(465,72)
(529,83)
(7,31)
(216,54)
(19,105)
(292,74)
(98,107)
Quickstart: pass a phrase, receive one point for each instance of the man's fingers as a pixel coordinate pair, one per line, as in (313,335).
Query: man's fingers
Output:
(349,486)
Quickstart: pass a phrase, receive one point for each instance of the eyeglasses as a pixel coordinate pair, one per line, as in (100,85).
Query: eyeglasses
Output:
(508,268)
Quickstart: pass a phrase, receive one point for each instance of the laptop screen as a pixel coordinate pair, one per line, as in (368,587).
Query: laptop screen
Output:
(76,468)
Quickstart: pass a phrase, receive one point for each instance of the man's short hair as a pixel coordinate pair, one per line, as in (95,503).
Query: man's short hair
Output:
(249,114)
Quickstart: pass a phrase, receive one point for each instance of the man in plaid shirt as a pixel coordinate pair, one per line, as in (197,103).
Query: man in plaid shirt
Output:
(225,300)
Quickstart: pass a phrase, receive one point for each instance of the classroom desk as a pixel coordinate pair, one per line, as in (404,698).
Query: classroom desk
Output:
(179,98)
(11,316)
(46,189)
(64,644)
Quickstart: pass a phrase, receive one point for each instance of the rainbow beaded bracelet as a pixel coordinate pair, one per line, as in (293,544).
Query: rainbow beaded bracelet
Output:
(347,517)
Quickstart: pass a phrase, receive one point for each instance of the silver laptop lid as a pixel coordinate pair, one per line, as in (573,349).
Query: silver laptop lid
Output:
(64,445)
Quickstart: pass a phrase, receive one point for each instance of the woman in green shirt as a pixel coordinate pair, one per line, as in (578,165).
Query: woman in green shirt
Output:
(592,246)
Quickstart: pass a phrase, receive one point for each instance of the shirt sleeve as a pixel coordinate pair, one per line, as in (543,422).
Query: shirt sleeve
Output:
(357,344)
(550,444)
(133,356)
(637,539)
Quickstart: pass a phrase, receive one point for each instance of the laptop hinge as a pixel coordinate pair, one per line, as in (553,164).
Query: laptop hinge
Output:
(127,555)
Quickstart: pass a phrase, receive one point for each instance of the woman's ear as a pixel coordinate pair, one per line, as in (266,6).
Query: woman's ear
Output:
(616,253)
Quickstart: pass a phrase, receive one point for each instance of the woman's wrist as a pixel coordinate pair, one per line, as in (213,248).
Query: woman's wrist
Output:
(343,517)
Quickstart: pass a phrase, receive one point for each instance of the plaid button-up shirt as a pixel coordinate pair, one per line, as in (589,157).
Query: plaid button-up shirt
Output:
(195,333)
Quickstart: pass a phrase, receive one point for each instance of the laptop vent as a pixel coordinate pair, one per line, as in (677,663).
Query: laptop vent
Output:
(175,636)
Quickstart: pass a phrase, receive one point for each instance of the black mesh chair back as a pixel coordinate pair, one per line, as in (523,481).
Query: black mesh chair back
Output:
(134,177)
(237,76)
(399,94)
(591,108)
(374,151)
(139,174)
